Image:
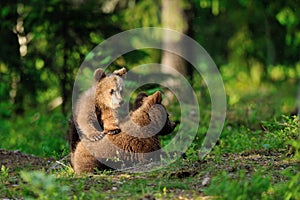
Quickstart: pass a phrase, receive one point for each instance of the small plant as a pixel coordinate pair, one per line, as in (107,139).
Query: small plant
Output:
(38,185)
(4,174)
(293,188)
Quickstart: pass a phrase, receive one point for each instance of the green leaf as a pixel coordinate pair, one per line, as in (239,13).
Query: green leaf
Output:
(287,17)
(5,11)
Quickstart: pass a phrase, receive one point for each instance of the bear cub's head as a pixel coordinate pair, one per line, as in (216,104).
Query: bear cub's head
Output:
(109,88)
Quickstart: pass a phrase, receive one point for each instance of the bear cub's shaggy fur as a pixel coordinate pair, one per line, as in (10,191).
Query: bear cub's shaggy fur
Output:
(135,143)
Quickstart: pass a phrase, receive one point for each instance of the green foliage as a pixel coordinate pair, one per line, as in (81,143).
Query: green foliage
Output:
(40,134)
(290,18)
(145,14)
(241,187)
(4,174)
(37,76)
(276,134)
(296,144)
(292,189)
(38,185)
(254,186)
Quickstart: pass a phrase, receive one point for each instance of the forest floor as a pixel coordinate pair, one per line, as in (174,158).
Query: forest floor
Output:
(15,160)
(179,181)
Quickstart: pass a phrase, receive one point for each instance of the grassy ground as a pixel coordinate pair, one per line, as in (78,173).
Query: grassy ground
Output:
(257,157)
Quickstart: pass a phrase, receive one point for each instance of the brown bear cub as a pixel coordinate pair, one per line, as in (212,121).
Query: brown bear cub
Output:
(96,109)
(134,144)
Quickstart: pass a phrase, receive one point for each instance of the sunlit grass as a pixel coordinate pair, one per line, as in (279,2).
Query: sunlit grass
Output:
(42,134)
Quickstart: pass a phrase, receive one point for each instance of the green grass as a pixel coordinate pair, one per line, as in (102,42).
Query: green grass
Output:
(274,134)
(41,133)
(257,186)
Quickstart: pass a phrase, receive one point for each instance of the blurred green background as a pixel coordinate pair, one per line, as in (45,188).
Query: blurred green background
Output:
(254,43)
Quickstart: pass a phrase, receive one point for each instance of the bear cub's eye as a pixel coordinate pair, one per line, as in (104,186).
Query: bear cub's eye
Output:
(112,91)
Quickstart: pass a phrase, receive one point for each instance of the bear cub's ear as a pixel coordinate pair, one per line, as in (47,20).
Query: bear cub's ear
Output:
(99,74)
(120,72)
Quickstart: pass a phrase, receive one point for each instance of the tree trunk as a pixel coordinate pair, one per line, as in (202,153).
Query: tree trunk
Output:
(173,17)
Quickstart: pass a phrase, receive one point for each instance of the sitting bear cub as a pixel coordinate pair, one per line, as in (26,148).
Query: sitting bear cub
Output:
(136,143)
(96,110)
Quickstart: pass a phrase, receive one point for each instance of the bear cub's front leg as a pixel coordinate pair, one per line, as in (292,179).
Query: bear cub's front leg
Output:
(110,122)
(107,123)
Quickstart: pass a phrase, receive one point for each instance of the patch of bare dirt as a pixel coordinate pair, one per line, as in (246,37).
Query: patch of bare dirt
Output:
(17,160)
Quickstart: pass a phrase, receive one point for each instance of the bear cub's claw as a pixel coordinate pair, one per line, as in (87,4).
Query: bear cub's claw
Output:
(97,137)
(114,132)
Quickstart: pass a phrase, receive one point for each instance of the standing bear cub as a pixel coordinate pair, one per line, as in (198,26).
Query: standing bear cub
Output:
(95,112)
